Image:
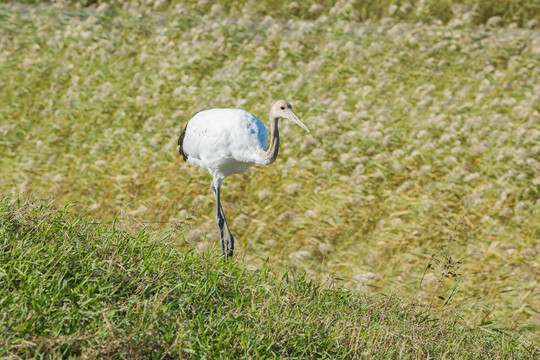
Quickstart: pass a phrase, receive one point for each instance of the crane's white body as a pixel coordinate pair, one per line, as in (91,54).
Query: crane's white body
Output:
(225,141)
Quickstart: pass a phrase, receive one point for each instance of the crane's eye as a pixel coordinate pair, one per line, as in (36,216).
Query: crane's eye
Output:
(283,108)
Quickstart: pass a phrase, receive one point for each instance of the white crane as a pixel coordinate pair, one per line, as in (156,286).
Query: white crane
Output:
(230,141)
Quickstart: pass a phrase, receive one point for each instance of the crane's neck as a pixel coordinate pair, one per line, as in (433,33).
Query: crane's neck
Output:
(271,154)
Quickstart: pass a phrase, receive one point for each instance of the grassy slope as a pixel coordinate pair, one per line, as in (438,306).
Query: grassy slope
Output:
(413,125)
(70,286)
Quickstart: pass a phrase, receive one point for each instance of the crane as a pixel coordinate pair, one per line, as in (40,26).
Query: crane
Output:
(230,141)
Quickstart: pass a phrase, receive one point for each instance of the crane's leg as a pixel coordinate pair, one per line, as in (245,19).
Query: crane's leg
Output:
(227,240)
(220,219)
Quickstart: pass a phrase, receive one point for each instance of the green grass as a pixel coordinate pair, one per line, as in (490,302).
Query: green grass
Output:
(71,287)
(415,122)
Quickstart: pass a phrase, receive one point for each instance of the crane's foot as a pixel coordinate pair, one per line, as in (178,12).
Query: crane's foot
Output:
(227,245)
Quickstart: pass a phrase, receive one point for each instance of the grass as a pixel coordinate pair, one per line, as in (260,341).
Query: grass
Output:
(509,11)
(71,287)
(415,123)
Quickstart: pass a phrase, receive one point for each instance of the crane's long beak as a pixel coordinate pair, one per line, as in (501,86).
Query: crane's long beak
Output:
(292,116)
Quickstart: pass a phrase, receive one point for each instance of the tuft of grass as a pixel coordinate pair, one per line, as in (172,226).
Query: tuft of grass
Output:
(75,287)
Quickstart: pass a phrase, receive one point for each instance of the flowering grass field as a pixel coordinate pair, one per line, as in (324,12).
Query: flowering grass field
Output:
(423,133)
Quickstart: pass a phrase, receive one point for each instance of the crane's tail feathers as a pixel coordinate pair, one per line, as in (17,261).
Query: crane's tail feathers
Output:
(181,144)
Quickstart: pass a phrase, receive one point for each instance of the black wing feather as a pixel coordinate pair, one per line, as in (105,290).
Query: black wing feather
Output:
(181,144)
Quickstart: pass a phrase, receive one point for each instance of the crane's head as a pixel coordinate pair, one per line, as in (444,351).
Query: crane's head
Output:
(282,109)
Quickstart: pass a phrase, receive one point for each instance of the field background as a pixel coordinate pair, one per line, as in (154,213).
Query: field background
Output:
(423,117)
